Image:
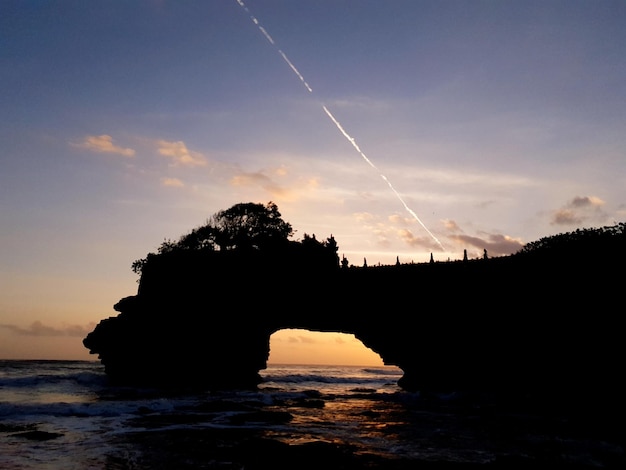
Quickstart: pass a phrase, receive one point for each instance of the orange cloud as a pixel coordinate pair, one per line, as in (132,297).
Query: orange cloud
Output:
(363,217)
(451,225)
(414,241)
(172,182)
(180,154)
(103,144)
(275,190)
(37,328)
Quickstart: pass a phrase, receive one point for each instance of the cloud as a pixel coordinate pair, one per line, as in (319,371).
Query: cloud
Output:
(586,201)
(579,210)
(103,144)
(281,171)
(496,244)
(301,339)
(410,239)
(565,217)
(37,328)
(451,226)
(275,190)
(381,231)
(397,219)
(180,154)
(257,179)
(363,217)
(399,228)
(172,182)
(395,228)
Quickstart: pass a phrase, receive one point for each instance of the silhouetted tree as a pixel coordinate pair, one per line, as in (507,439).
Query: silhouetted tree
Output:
(344,262)
(464,255)
(249,226)
(364,262)
(309,240)
(331,244)
(432,260)
(200,238)
(318,251)
(138,265)
(244,226)
(612,236)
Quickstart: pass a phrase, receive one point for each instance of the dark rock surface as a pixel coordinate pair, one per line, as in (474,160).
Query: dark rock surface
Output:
(38,435)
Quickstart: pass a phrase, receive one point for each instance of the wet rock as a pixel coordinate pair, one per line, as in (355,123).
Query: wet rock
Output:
(37,435)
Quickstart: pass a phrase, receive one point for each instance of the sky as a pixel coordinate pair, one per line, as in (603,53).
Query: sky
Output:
(400,127)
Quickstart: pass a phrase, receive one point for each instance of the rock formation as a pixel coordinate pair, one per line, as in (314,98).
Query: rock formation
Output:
(546,319)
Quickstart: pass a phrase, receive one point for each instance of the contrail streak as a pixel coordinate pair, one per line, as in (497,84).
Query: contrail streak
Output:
(339,126)
(256,22)
(293,67)
(358,149)
(271,41)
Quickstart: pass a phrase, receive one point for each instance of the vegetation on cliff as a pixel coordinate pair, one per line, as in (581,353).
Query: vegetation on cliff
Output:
(605,239)
(245,229)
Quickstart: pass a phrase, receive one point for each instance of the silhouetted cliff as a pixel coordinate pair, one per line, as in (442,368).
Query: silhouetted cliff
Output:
(546,318)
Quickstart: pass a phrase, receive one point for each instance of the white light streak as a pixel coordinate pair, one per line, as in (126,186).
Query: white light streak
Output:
(293,67)
(265,33)
(256,22)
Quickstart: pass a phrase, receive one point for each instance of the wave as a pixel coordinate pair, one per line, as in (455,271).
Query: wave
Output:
(88,379)
(300,378)
(384,371)
(86,408)
(329,375)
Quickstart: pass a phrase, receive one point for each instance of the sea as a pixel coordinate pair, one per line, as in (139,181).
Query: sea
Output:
(66,415)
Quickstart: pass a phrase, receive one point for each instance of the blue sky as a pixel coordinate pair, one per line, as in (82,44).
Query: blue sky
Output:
(476,125)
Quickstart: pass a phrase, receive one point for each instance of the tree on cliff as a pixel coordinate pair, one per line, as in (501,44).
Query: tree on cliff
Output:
(249,226)
(243,227)
(609,239)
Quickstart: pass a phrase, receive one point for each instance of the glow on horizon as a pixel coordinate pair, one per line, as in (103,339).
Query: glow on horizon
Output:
(298,346)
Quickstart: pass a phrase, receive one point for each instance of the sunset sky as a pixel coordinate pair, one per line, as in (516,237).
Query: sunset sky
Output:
(400,127)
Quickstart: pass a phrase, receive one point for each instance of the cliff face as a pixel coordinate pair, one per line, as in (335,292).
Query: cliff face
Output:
(549,322)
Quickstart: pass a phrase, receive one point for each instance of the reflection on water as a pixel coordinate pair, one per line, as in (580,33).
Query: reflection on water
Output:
(87,424)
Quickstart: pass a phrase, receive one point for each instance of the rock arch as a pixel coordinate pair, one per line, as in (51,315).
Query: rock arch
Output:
(499,323)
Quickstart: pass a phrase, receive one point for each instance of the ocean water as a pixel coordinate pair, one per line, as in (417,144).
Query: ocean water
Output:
(65,415)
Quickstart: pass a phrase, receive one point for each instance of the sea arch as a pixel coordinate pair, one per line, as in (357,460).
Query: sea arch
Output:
(206,318)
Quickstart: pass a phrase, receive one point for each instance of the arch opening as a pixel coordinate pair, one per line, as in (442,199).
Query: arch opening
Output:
(301,346)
